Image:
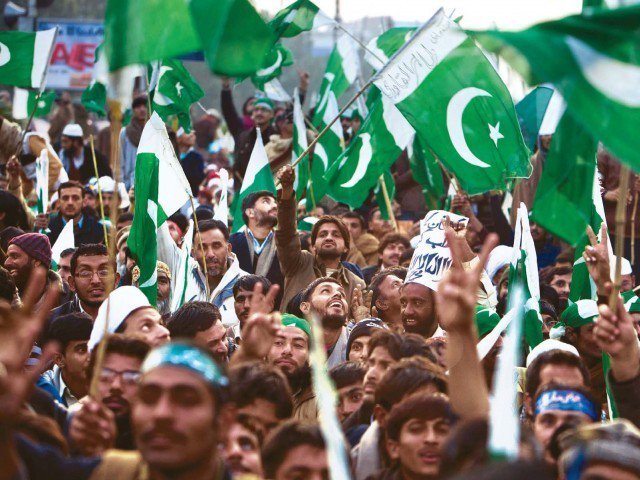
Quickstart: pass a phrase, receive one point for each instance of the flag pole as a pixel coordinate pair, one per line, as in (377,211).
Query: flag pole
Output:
(359,42)
(387,202)
(204,260)
(633,228)
(95,169)
(621,210)
(328,126)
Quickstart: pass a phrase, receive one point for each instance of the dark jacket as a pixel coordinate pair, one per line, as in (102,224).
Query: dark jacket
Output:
(86,170)
(370,272)
(193,166)
(91,230)
(627,398)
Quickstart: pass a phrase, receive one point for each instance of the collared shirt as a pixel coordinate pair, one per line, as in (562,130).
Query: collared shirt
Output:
(79,160)
(78,223)
(257,248)
(66,393)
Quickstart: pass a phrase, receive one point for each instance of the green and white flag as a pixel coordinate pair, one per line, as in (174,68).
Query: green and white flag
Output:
(221,210)
(161,189)
(381,48)
(42,182)
(383,136)
(390,185)
(182,279)
(94,97)
(300,16)
(325,153)
(592,59)
(531,111)
(523,279)
(24,102)
(342,70)
(299,145)
(426,171)
(257,177)
(25,56)
(450,93)
(174,92)
(276,59)
(65,240)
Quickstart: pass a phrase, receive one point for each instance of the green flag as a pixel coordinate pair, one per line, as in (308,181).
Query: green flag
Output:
(161,189)
(381,139)
(593,60)
(175,90)
(94,97)
(390,185)
(454,99)
(257,177)
(300,16)
(278,57)
(530,111)
(299,145)
(427,172)
(24,57)
(342,70)
(381,48)
(24,102)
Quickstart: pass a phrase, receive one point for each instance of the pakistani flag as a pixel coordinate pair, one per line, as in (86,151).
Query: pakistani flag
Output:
(427,172)
(300,16)
(278,57)
(65,240)
(390,185)
(257,177)
(174,92)
(381,48)
(221,210)
(454,99)
(325,153)
(530,111)
(299,145)
(342,70)
(94,97)
(24,57)
(42,182)
(25,101)
(523,279)
(380,141)
(592,59)
(161,189)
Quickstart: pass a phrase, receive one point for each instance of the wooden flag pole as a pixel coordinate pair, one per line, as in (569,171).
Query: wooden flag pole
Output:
(621,210)
(387,201)
(359,42)
(95,169)
(634,211)
(328,126)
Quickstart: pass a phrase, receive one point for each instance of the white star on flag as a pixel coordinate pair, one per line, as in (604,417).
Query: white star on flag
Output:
(494,133)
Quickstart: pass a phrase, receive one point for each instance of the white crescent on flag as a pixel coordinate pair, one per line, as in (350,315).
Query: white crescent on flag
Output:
(366,152)
(158,97)
(5,54)
(455,109)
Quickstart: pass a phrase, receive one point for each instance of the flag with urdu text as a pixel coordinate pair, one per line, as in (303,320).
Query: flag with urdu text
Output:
(300,16)
(24,102)
(161,189)
(174,92)
(523,273)
(257,177)
(381,48)
(233,36)
(454,99)
(24,57)
(341,72)
(382,137)
(593,60)
(530,111)
(299,145)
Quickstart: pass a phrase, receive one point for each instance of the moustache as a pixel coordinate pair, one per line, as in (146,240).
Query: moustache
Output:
(167,432)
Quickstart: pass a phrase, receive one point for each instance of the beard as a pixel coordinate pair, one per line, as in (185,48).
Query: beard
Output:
(328,254)
(22,276)
(424,329)
(300,378)
(163,306)
(266,220)
(333,322)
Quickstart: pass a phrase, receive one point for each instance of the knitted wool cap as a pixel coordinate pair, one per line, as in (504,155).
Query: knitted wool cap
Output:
(36,245)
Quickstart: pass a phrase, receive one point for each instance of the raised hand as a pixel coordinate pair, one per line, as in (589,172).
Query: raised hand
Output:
(262,326)
(286,175)
(305,78)
(92,428)
(360,308)
(596,256)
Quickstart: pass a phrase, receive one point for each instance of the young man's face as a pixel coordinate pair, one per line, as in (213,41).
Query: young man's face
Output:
(359,349)
(75,360)
(140,112)
(164,286)
(261,116)
(350,399)
(329,242)
(329,301)
(586,343)
(147,323)
(418,309)
(19,265)
(89,201)
(263,411)
(378,363)
(215,338)
(566,375)
(264,213)
(242,304)
(174,418)
(304,462)
(391,254)
(70,202)
(91,279)
(290,351)
(378,226)
(354,226)
(241,451)
(216,251)
(388,303)
(64,268)
(118,382)
(418,447)
(628,282)
(562,285)
(545,425)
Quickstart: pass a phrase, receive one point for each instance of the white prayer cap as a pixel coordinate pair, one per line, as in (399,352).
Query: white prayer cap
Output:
(120,303)
(498,258)
(626,267)
(107,185)
(72,130)
(214,113)
(549,345)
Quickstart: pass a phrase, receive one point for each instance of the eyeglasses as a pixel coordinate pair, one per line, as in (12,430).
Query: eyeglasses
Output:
(88,274)
(128,377)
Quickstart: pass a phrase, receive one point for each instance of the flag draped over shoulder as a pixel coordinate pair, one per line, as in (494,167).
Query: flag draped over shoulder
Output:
(161,189)
(24,57)
(594,61)
(174,92)
(300,16)
(458,105)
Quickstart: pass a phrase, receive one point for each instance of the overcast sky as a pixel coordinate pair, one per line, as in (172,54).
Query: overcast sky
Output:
(505,14)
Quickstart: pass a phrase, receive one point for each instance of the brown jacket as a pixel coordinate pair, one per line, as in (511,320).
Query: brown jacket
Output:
(368,246)
(305,406)
(299,267)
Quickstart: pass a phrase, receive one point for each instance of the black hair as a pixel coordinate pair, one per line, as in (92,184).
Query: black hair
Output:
(7,285)
(193,317)
(206,225)
(68,328)
(251,381)
(71,184)
(180,220)
(14,214)
(347,373)
(87,250)
(293,307)
(284,439)
(307,293)
(67,252)
(125,217)
(122,345)
(379,277)
(140,100)
(357,216)
(250,201)
(553,357)
(248,282)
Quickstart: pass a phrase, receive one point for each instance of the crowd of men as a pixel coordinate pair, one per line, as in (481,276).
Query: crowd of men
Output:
(97,382)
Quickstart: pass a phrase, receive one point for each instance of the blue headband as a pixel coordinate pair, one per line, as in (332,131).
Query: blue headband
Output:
(186,356)
(568,401)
